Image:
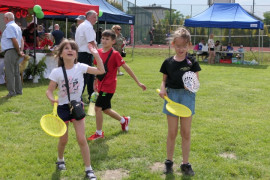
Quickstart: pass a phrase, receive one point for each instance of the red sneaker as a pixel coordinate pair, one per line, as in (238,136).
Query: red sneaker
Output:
(125,124)
(95,136)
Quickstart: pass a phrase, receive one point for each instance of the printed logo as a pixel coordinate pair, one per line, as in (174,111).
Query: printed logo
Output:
(185,69)
(254,25)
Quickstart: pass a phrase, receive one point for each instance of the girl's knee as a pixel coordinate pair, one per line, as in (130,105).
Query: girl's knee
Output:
(172,135)
(81,141)
(185,135)
(63,142)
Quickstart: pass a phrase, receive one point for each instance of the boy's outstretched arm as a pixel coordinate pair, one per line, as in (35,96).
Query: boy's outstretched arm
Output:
(130,72)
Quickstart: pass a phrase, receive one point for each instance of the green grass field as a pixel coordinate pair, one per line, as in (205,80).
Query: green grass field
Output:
(230,130)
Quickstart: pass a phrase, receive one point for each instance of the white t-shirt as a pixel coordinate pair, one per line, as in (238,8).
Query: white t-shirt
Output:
(75,80)
(211,43)
(85,33)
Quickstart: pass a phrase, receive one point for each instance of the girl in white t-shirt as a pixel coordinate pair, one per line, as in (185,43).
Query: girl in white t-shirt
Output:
(211,45)
(67,57)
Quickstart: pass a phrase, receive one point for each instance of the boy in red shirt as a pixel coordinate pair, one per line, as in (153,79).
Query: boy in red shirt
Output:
(106,87)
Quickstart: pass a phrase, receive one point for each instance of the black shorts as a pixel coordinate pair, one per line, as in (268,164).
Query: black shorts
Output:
(212,49)
(63,112)
(104,100)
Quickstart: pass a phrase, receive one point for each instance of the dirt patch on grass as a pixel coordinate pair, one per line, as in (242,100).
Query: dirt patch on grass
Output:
(157,166)
(228,155)
(116,174)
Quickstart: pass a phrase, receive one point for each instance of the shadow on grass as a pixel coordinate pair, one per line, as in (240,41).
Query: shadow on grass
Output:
(170,176)
(56,175)
(99,148)
(4,99)
(237,65)
(186,177)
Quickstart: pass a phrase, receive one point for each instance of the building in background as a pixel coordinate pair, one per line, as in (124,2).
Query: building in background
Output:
(210,2)
(157,11)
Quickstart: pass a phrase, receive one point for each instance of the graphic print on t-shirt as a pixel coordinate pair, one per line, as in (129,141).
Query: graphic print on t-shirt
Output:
(73,86)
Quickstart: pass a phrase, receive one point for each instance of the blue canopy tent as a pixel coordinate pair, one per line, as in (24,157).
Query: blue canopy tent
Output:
(224,15)
(110,13)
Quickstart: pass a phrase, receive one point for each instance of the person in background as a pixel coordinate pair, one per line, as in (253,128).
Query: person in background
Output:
(72,31)
(85,35)
(151,34)
(218,48)
(99,33)
(12,44)
(119,43)
(80,19)
(28,37)
(211,45)
(229,49)
(57,35)
(41,31)
(241,51)
(202,49)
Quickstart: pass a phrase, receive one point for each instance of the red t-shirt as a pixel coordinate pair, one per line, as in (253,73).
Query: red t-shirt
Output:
(108,84)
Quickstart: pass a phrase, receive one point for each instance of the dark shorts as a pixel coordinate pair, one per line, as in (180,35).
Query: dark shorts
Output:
(212,49)
(63,112)
(104,100)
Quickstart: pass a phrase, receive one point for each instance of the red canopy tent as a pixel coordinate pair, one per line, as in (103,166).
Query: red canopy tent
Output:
(49,7)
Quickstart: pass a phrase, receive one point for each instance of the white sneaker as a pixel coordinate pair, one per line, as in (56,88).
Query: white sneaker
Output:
(120,74)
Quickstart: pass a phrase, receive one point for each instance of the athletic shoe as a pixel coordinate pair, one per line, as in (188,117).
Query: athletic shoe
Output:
(187,169)
(61,165)
(168,167)
(120,74)
(95,136)
(125,124)
(90,175)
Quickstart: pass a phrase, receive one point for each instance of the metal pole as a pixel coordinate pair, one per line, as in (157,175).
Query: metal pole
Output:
(191,10)
(35,38)
(170,26)
(259,44)
(133,45)
(66,27)
(253,7)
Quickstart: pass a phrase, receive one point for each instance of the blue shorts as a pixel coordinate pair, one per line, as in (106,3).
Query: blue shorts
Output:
(181,96)
(63,112)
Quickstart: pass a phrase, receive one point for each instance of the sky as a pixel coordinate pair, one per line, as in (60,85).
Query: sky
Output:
(184,6)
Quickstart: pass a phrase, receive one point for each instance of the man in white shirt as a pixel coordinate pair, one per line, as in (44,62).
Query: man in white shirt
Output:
(12,45)
(85,34)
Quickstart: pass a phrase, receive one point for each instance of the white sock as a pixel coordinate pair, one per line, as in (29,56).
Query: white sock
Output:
(60,160)
(88,168)
(122,121)
(99,132)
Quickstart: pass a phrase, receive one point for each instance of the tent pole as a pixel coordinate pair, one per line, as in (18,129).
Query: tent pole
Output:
(195,36)
(35,38)
(259,44)
(66,27)
(262,45)
(133,42)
